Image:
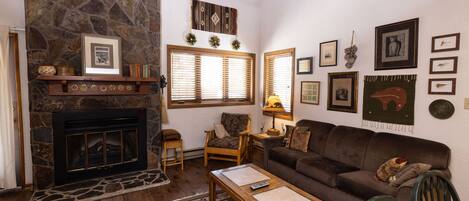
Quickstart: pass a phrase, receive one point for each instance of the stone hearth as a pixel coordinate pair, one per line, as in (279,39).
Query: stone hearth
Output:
(54,29)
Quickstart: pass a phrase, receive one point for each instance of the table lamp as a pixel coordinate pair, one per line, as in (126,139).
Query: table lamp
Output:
(273,105)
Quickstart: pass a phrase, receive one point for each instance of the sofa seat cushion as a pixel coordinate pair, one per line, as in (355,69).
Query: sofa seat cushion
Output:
(364,184)
(227,142)
(289,157)
(322,169)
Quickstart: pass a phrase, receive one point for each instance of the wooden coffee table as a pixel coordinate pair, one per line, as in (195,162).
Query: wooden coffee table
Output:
(217,178)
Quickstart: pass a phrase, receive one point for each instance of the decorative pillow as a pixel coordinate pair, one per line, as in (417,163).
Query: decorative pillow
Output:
(390,168)
(300,139)
(288,133)
(409,172)
(235,123)
(220,131)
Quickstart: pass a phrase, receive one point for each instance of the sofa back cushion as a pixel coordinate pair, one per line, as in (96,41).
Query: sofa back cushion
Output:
(319,133)
(384,146)
(348,145)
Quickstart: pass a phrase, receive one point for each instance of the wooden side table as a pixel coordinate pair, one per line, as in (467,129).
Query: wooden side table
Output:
(256,149)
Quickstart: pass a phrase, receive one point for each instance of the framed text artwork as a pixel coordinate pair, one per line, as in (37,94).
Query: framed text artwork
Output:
(396,45)
(343,92)
(304,66)
(101,55)
(310,91)
(328,53)
(445,43)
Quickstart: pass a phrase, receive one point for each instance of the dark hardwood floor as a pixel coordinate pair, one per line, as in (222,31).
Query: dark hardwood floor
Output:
(192,181)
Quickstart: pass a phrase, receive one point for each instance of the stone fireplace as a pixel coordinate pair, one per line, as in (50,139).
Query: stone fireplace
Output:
(53,29)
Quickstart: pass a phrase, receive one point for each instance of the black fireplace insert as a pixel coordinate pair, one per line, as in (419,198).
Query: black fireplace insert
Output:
(98,143)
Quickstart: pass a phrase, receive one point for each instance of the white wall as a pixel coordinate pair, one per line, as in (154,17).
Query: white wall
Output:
(176,16)
(306,23)
(12,14)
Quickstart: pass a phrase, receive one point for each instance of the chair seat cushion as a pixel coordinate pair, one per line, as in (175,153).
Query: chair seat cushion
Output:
(289,157)
(323,170)
(227,142)
(170,134)
(364,184)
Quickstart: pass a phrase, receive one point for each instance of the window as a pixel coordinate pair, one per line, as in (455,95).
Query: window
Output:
(203,77)
(279,78)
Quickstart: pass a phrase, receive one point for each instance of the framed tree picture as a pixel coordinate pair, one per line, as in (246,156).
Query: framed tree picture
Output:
(446,43)
(310,91)
(396,45)
(328,53)
(304,66)
(101,55)
(343,92)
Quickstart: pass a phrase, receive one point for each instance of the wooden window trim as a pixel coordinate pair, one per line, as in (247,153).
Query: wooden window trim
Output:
(292,52)
(214,103)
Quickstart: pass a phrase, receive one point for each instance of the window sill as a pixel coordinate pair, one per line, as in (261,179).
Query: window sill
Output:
(208,104)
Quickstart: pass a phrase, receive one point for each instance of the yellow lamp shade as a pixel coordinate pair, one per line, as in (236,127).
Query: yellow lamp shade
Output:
(274,104)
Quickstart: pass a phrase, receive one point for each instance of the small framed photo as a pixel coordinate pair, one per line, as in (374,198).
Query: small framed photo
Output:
(304,66)
(101,55)
(446,43)
(343,92)
(446,65)
(310,91)
(396,45)
(445,86)
(328,53)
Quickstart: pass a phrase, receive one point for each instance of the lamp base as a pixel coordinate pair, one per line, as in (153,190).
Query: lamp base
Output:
(273,132)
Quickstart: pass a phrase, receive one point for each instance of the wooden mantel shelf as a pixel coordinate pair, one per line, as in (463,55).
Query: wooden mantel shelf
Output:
(98,85)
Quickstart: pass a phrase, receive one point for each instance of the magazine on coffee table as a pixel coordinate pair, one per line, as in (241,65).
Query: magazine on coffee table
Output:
(280,194)
(244,176)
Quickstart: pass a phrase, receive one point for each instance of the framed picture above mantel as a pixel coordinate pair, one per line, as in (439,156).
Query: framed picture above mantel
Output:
(396,45)
(101,55)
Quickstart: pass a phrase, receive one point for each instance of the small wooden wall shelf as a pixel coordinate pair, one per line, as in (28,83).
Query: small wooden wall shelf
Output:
(97,85)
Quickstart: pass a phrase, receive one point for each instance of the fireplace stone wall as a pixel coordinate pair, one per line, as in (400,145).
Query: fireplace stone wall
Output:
(53,36)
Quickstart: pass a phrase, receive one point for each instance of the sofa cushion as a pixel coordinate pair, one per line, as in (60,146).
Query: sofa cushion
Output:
(227,142)
(289,157)
(322,169)
(319,133)
(364,184)
(348,145)
(384,146)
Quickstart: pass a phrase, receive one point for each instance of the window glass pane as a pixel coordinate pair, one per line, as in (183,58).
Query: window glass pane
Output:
(212,77)
(183,77)
(282,73)
(237,78)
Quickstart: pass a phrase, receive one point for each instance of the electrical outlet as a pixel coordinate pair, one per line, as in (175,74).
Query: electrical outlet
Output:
(466,103)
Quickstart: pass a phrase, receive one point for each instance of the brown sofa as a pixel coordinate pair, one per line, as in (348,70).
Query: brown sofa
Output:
(341,161)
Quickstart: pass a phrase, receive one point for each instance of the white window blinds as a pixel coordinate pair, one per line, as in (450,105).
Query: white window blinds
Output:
(201,77)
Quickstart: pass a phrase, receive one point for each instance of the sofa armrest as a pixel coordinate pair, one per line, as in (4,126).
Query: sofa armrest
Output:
(268,144)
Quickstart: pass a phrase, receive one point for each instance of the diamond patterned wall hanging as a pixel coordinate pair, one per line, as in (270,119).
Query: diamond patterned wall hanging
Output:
(214,18)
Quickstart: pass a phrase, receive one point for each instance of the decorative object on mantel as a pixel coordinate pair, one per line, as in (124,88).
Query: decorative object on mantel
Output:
(47,70)
(101,188)
(214,41)
(446,43)
(236,44)
(101,55)
(441,109)
(388,102)
(328,53)
(97,85)
(396,45)
(351,53)
(446,65)
(442,86)
(273,105)
(214,18)
(64,69)
(343,92)
(191,39)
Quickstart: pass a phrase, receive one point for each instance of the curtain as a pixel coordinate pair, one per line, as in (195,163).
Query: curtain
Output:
(7,126)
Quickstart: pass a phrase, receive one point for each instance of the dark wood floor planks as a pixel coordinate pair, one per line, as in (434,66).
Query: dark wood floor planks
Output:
(193,180)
